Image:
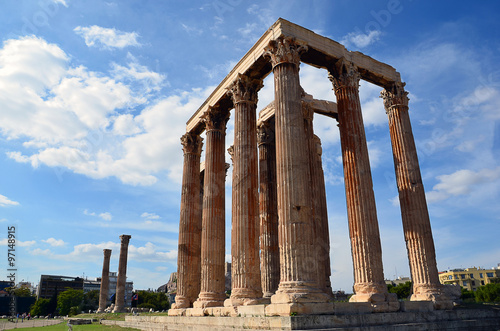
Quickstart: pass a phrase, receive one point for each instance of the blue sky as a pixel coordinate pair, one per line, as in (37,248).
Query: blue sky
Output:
(94,96)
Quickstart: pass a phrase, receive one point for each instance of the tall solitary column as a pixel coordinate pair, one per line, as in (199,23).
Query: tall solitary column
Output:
(414,213)
(299,281)
(189,252)
(122,275)
(369,285)
(212,292)
(245,267)
(103,293)
(268,206)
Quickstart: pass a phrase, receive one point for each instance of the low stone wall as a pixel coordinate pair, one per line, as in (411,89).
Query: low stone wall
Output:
(457,319)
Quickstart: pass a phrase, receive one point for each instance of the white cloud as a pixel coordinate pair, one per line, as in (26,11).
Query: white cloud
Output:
(62,2)
(86,212)
(90,252)
(462,182)
(54,242)
(19,243)
(360,39)
(106,216)
(4,201)
(150,216)
(106,38)
(73,119)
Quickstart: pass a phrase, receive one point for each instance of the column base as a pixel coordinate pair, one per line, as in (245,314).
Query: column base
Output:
(245,297)
(118,310)
(235,302)
(381,301)
(295,292)
(181,302)
(209,299)
(440,299)
(100,311)
(268,294)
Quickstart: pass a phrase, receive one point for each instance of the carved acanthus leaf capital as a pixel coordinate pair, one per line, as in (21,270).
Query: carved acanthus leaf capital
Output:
(244,89)
(265,133)
(191,143)
(345,74)
(395,96)
(284,50)
(215,119)
(230,150)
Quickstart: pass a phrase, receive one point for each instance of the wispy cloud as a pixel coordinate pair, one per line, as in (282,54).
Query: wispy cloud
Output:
(462,182)
(107,38)
(105,215)
(4,201)
(150,216)
(360,39)
(54,242)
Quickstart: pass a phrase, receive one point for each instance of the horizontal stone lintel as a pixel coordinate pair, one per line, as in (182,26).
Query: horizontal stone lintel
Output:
(322,53)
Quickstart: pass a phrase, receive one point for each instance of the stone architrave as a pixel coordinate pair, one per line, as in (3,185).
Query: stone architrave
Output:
(268,206)
(122,275)
(318,199)
(369,285)
(189,251)
(414,213)
(213,221)
(103,293)
(298,283)
(245,267)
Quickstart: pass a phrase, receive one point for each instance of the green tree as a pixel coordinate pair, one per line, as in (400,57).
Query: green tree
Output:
(467,296)
(19,291)
(488,293)
(68,299)
(90,301)
(157,301)
(40,307)
(402,290)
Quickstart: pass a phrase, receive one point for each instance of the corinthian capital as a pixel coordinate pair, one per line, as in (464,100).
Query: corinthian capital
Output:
(345,74)
(191,143)
(215,119)
(284,50)
(265,133)
(395,96)
(244,89)
(230,151)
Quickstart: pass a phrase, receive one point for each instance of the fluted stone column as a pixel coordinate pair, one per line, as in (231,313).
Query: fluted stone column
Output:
(122,275)
(268,206)
(369,285)
(213,221)
(245,267)
(103,293)
(299,281)
(322,231)
(318,198)
(414,213)
(189,251)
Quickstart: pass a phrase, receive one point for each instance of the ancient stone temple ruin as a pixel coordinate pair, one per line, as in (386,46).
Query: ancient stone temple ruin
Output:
(279,235)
